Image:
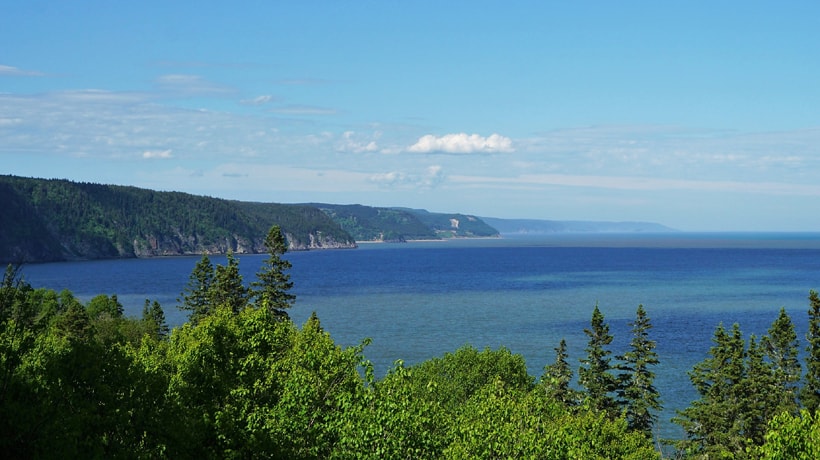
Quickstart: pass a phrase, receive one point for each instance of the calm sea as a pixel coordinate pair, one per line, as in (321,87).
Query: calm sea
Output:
(420,300)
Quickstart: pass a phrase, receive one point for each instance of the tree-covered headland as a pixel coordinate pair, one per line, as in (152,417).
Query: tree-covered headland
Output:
(241,380)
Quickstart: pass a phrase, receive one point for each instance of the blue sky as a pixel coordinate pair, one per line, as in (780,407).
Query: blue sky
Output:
(697,115)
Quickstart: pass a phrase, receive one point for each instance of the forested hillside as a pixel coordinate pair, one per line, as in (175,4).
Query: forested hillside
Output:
(49,220)
(454,225)
(367,223)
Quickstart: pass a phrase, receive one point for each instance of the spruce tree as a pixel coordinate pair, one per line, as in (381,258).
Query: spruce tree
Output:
(810,394)
(558,376)
(270,290)
(760,396)
(636,380)
(154,318)
(713,422)
(595,374)
(228,288)
(781,347)
(196,298)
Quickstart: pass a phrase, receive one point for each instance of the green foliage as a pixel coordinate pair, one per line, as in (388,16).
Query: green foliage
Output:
(102,304)
(636,381)
(742,390)
(781,347)
(154,318)
(197,296)
(810,393)
(455,377)
(595,374)
(270,290)
(453,225)
(58,220)
(243,381)
(558,377)
(366,223)
(791,437)
(501,422)
(713,423)
(228,289)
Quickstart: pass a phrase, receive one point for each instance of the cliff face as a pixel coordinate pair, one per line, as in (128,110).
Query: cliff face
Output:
(153,246)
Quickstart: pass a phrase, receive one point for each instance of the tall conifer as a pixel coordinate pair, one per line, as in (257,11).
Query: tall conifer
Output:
(595,374)
(228,288)
(761,397)
(272,284)
(558,376)
(713,423)
(636,380)
(196,297)
(781,347)
(810,394)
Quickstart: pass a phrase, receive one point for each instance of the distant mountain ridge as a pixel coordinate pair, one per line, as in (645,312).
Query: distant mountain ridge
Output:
(536,226)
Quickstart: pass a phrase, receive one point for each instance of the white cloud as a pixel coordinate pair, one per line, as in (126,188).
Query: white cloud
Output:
(151,154)
(353,142)
(389,179)
(16,72)
(462,143)
(430,178)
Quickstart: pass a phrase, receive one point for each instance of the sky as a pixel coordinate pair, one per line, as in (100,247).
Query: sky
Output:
(700,115)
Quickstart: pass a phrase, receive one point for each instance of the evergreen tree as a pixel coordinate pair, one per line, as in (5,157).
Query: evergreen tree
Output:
(595,374)
(761,397)
(272,281)
(154,318)
(781,347)
(713,422)
(636,380)
(227,288)
(810,394)
(557,377)
(196,297)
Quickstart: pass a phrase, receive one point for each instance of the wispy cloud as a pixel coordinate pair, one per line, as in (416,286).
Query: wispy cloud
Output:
(9,71)
(154,154)
(462,143)
(351,141)
(430,178)
(258,100)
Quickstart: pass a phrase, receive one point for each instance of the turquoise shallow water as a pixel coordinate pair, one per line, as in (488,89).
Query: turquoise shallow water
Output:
(420,300)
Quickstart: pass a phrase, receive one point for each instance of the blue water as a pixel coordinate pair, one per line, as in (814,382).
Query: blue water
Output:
(420,300)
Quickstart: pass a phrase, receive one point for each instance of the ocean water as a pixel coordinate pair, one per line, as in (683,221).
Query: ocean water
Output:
(421,300)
